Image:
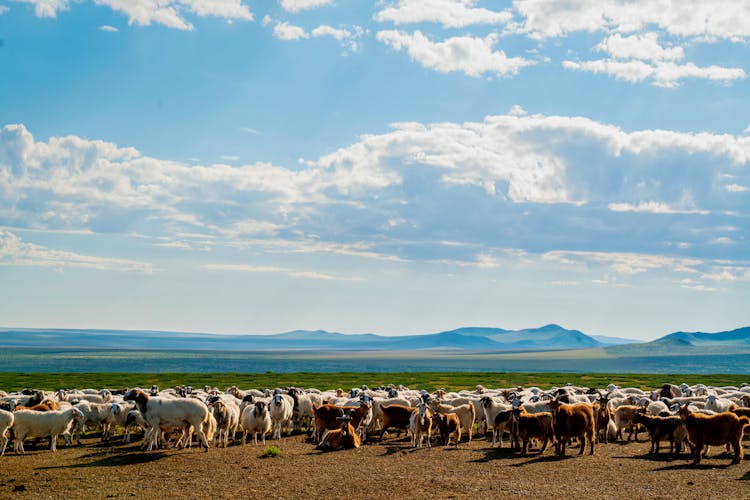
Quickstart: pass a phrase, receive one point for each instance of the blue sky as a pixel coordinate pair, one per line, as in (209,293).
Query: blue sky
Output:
(386,166)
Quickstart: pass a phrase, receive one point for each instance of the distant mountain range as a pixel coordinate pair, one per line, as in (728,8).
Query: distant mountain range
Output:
(689,343)
(490,340)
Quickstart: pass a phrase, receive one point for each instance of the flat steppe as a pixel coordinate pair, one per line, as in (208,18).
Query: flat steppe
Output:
(388,469)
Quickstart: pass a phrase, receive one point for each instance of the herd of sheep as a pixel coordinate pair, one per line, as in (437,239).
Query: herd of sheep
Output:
(688,417)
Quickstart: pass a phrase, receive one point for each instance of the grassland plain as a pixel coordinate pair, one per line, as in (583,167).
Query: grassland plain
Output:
(346,380)
(25,360)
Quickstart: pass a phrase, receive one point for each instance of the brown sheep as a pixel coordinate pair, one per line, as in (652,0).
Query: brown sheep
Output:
(576,420)
(533,425)
(707,430)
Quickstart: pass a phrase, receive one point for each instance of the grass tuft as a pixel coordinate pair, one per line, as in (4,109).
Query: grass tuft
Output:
(270,452)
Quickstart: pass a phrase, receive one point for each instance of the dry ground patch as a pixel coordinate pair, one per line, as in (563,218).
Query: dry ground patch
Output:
(390,469)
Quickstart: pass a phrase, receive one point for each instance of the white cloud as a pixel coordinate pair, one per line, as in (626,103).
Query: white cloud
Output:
(16,252)
(286,31)
(736,188)
(660,73)
(325,30)
(4,9)
(449,13)
(245,268)
(644,47)
(171,13)
(653,207)
(106,27)
(471,55)
(47,8)
(624,262)
(707,19)
(295,6)
(250,130)
(349,38)
(229,157)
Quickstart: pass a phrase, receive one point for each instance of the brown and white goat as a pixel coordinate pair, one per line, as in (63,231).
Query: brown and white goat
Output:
(420,426)
(395,417)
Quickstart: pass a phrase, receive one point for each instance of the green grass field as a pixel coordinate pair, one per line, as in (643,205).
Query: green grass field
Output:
(415,380)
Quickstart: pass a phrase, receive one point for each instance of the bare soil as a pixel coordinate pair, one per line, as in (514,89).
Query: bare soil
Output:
(391,469)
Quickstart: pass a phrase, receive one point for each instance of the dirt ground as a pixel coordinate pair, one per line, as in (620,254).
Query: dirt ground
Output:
(390,469)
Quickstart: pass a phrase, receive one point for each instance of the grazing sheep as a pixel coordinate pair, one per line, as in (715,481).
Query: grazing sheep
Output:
(182,413)
(6,422)
(28,423)
(721,429)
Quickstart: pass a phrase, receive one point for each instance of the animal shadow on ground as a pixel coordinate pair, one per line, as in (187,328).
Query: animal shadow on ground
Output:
(113,460)
(745,477)
(510,454)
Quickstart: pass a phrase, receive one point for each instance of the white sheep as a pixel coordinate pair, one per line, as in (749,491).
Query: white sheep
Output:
(719,405)
(256,419)
(6,422)
(102,415)
(29,423)
(183,413)
(281,409)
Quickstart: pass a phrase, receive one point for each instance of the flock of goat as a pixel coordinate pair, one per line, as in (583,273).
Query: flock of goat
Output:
(697,416)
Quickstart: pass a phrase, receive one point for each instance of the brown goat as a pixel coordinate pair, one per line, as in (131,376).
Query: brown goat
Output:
(343,438)
(395,416)
(449,426)
(624,418)
(576,420)
(663,428)
(723,428)
(533,425)
(327,417)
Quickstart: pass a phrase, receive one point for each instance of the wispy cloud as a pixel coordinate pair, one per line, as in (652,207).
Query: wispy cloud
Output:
(16,252)
(294,273)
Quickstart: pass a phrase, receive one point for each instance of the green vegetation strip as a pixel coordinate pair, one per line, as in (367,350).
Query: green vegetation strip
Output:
(416,380)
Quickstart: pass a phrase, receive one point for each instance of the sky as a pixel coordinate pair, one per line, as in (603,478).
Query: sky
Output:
(375,166)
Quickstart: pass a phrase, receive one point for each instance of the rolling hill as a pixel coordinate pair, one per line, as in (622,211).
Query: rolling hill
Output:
(549,337)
